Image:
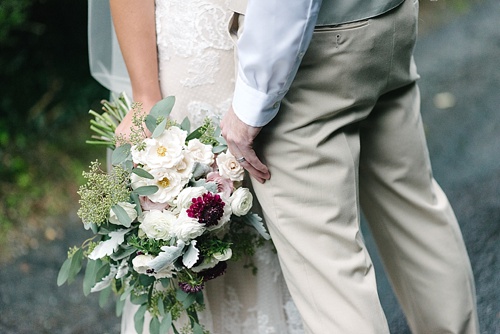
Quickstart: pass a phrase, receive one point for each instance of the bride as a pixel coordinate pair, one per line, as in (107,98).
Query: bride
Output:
(183,48)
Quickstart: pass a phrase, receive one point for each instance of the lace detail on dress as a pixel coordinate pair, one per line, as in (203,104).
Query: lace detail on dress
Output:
(254,318)
(199,110)
(193,29)
(202,70)
(266,258)
(195,55)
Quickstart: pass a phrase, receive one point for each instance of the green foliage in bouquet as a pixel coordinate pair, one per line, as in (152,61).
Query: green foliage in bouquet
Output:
(166,217)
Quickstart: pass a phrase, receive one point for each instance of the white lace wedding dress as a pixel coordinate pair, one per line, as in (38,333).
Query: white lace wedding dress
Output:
(196,64)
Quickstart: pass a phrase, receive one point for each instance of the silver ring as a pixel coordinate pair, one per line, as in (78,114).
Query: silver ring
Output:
(242,159)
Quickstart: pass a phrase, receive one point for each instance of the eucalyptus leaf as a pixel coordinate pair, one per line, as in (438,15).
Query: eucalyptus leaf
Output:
(217,132)
(104,296)
(146,190)
(122,252)
(166,323)
(142,173)
(165,282)
(190,299)
(126,293)
(93,227)
(122,215)
(196,134)
(76,265)
(187,299)
(62,277)
(163,108)
(90,275)
(135,198)
(200,298)
(161,308)
(186,124)
(197,329)
(138,299)
(154,326)
(120,304)
(159,129)
(102,271)
(128,164)
(221,140)
(120,154)
(139,318)
(219,149)
(150,123)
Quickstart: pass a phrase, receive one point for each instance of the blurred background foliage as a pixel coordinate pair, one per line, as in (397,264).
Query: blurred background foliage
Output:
(46,91)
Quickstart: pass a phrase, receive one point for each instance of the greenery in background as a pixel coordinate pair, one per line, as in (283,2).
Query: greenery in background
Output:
(46,94)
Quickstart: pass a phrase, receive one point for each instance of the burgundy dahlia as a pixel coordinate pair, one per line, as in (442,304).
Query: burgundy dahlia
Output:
(208,209)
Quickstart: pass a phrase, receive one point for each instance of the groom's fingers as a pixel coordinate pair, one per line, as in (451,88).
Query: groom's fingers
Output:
(239,137)
(254,166)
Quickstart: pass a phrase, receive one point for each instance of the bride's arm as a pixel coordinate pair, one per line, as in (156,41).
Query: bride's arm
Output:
(134,22)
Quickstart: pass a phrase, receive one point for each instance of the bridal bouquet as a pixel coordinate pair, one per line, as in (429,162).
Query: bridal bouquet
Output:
(166,217)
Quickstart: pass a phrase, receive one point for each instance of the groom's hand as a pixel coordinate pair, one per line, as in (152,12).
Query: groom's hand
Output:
(239,137)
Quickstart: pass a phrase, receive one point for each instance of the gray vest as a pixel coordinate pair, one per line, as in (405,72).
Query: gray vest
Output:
(334,12)
(338,11)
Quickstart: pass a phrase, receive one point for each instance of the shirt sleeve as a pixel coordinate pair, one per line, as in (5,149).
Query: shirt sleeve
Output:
(274,40)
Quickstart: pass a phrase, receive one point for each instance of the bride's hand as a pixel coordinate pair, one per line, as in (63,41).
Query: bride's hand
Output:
(123,130)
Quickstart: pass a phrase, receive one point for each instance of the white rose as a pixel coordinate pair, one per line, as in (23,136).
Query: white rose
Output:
(229,167)
(186,228)
(185,197)
(169,183)
(164,151)
(200,152)
(157,224)
(241,201)
(185,166)
(141,265)
(129,209)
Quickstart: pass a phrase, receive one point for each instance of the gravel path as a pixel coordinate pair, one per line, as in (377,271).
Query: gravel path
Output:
(460,59)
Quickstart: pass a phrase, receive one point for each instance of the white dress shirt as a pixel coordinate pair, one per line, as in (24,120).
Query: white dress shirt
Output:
(270,50)
(274,40)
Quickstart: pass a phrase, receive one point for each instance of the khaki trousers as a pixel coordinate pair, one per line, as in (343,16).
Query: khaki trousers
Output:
(349,137)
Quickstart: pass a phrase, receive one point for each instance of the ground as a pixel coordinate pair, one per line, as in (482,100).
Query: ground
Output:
(458,63)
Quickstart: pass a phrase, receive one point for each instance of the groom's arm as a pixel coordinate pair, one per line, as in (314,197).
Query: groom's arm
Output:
(275,37)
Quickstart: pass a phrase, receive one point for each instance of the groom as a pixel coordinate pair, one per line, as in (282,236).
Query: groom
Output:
(326,119)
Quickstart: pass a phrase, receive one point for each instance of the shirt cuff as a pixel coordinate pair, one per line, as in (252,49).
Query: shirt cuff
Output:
(254,107)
